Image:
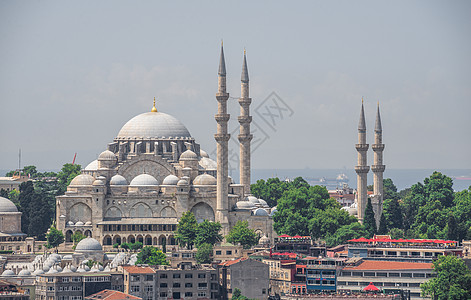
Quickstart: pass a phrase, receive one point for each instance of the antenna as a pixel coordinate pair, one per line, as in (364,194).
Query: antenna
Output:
(19,159)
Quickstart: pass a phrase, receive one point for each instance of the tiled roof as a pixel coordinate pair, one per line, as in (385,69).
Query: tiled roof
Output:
(390,265)
(111,295)
(232,262)
(138,270)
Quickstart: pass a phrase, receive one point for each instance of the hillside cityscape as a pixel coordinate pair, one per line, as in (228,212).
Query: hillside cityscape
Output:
(342,188)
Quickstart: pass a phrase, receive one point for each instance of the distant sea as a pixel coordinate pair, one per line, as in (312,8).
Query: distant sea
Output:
(402,178)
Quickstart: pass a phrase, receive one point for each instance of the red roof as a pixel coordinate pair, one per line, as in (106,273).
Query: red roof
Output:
(138,270)
(390,265)
(371,287)
(111,295)
(232,262)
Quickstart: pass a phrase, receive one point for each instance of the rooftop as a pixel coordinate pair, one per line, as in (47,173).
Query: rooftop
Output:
(138,270)
(390,265)
(111,295)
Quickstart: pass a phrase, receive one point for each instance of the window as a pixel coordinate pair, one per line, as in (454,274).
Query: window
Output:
(381,274)
(188,294)
(421,275)
(163,285)
(149,277)
(393,274)
(346,273)
(65,279)
(75,298)
(135,288)
(406,274)
(188,285)
(176,295)
(163,294)
(370,274)
(176,275)
(149,288)
(188,275)
(218,252)
(50,288)
(176,284)
(357,274)
(201,275)
(201,294)
(163,275)
(202,285)
(229,252)
(135,278)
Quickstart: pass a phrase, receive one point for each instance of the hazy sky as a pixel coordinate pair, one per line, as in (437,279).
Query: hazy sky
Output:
(72,73)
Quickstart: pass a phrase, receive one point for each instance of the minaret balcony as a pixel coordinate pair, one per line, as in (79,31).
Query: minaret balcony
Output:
(244,119)
(222,117)
(362,169)
(245,137)
(378,168)
(222,96)
(222,137)
(377,147)
(245,101)
(362,147)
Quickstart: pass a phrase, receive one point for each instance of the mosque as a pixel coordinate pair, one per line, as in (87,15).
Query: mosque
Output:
(154,171)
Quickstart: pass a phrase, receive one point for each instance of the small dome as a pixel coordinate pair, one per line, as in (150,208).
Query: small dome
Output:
(24,273)
(67,257)
(182,182)
(144,180)
(93,166)
(7,206)
(260,212)
(230,180)
(82,179)
(8,273)
(118,180)
(107,155)
(52,271)
(38,272)
(188,155)
(208,164)
(70,223)
(204,179)
(273,211)
(203,154)
(252,199)
(88,223)
(244,205)
(88,245)
(170,180)
(98,182)
(79,223)
(81,269)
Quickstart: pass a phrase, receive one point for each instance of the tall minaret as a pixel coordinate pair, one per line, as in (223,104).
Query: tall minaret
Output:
(362,169)
(245,137)
(222,138)
(378,168)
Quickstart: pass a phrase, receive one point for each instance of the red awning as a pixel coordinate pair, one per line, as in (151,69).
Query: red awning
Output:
(371,287)
(284,236)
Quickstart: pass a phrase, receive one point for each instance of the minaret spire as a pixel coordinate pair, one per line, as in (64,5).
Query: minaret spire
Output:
(378,169)
(245,137)
(361,168)
(222,138)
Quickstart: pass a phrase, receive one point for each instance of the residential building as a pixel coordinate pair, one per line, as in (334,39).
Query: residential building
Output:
(321,273)
(111,295)
(140,282)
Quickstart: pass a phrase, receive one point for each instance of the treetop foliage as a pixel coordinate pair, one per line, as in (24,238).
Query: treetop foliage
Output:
(151,256)
(241,233)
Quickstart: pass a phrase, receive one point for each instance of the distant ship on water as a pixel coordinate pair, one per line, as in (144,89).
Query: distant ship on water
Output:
(338,181)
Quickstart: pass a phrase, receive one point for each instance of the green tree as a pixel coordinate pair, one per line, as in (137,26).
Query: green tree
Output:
(65,176)
(396,233)
(37,215)
(54,237)
(164,245)
(241,233)
(270,190)
(369,220)
(186,230)
(452,228)
(151,256)
(204,253)
(4,193)
(461,212)
(76,238)
(136,246)
(125,246)
(382,229)
(453,280)
(345,233)
(237,295)
(208,232)
(393,213)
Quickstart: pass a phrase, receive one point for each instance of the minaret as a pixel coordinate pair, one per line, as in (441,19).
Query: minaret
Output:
(222,138)
(378,168)
(362,169)
(244,136)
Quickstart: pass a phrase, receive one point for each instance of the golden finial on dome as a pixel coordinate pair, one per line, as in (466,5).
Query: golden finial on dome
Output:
(153,108)
(361,99)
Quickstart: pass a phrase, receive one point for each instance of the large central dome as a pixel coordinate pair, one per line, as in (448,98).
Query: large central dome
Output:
(153,125)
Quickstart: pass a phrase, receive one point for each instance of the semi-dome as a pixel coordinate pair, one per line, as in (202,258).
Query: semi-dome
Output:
(89,245)
(182,182)
(79,223)
(98,182)
(204,153)
(118,180)
(24,273)
(153,125)
(260,212)
(7,206)
(170,180)
(8,273)
(107,155)
(144,180)
(204,179)
(82,179)
(92,166)
(188,155)
(263,202)
(253,199)
(208,164)
(244,205)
